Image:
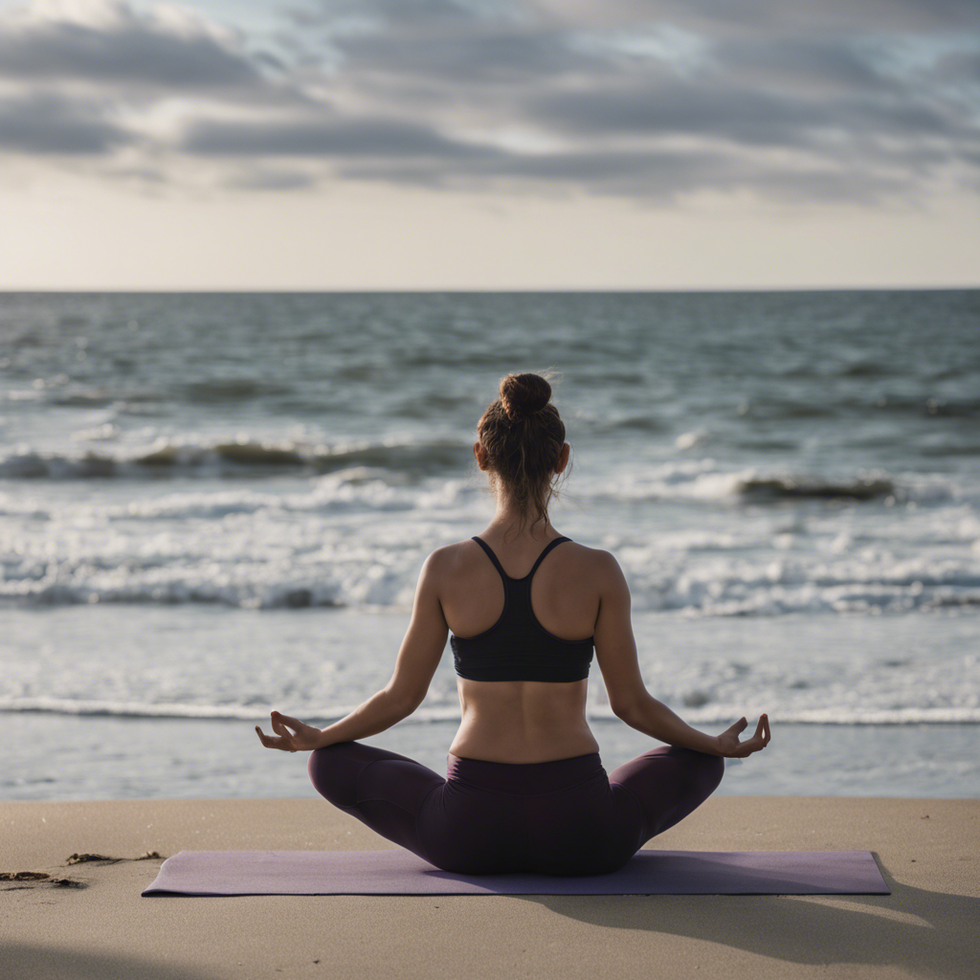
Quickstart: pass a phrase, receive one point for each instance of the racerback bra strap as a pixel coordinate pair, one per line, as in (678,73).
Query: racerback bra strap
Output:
(500,568)
(492,556)
(541,557)
(517,647)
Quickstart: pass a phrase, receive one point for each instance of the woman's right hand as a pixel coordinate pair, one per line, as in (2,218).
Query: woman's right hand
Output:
(731,748)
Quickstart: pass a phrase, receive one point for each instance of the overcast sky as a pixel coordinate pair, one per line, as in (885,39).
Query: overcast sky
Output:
(489,144)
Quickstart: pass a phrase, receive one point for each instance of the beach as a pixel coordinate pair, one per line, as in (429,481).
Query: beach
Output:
(790,482)
(298,301)
(927,851)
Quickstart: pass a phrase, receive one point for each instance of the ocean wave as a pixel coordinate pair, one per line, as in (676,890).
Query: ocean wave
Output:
(716,714)
(400,461)
(170,458)
(221,390)
(317,589)
(183,588)
(699,574)
(781,488)
(703,479)
(207,391)
(777,408)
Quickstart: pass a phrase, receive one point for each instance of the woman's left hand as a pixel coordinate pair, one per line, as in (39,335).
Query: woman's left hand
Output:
(302,738)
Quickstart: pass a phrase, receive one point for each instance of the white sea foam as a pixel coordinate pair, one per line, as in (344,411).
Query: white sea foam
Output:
(332,544)
(252,574)
(718,714)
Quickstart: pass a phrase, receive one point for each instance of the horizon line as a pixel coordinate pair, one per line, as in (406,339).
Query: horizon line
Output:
(496,289)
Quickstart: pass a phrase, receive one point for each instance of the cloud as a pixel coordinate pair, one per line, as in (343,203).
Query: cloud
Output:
(795,100)
(120,47)
(390,138)
(755,17)
(254,179)
(482,56)
(802,65)
(750,117)
(44,123)
(670,107)
(960,66)
(662,177)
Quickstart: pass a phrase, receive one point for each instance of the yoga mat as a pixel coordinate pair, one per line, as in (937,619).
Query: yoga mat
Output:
(399,872)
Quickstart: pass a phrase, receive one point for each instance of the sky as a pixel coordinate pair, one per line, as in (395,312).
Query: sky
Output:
(489,144)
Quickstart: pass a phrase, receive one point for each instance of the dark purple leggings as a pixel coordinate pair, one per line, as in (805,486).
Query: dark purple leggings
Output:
(558,818)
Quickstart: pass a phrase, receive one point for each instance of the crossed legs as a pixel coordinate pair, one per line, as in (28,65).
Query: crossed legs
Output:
(387,792)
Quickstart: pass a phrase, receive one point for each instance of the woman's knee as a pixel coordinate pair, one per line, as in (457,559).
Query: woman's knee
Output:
(713,766)
(704,772)
(332,774)
(714,770)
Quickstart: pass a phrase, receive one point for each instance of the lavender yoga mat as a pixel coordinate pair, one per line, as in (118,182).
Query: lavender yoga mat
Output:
(399,872)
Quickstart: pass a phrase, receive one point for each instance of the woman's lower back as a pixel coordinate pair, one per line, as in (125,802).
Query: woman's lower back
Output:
(522,721)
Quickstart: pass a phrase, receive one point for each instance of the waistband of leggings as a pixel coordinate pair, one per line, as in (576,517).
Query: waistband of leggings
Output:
(525,778)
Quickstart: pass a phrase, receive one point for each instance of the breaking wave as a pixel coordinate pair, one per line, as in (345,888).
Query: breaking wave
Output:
(171,458)
(716,714)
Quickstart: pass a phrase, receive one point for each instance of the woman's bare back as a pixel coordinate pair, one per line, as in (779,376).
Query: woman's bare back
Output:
(521,721)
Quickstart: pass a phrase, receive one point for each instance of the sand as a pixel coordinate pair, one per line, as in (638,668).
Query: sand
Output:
(100,927)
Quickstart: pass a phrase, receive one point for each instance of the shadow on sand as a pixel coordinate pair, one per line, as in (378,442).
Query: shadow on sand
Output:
(60,963)
(921,931)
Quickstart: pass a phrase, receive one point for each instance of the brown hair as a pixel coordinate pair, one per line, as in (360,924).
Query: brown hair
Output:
(523,435)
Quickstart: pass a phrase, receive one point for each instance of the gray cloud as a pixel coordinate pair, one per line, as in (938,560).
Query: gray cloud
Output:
(960,66)
(750,116)
(45,123)
(133,52)
(676,170)
(761,16)
(678,107)
(766,87)
(271,180)
(794,100)
(787,63)
(333,137)
(652,176)
(481,56)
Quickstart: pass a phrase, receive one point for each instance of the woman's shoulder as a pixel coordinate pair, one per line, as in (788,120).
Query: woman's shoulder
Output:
(452,557)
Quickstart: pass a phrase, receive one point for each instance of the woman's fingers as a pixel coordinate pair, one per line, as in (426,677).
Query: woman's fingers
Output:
(759,740)
(763,730)
(761,737)
(273,741)
(756,742)
(738,727)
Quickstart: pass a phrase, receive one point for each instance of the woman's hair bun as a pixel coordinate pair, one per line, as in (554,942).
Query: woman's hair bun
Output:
(522,395)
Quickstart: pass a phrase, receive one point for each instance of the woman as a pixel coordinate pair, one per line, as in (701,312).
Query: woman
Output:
(525,789)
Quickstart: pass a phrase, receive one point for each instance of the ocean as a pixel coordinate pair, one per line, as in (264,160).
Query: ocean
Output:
(215,504)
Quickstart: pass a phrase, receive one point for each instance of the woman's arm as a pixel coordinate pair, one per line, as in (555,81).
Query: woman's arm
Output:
(653,718)
(375,715)
(418,657)
(628,697)
(657,720)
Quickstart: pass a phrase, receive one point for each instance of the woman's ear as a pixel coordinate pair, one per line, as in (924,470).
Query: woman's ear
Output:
(480,453)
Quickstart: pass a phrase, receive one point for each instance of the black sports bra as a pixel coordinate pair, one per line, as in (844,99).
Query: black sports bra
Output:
(517,647)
